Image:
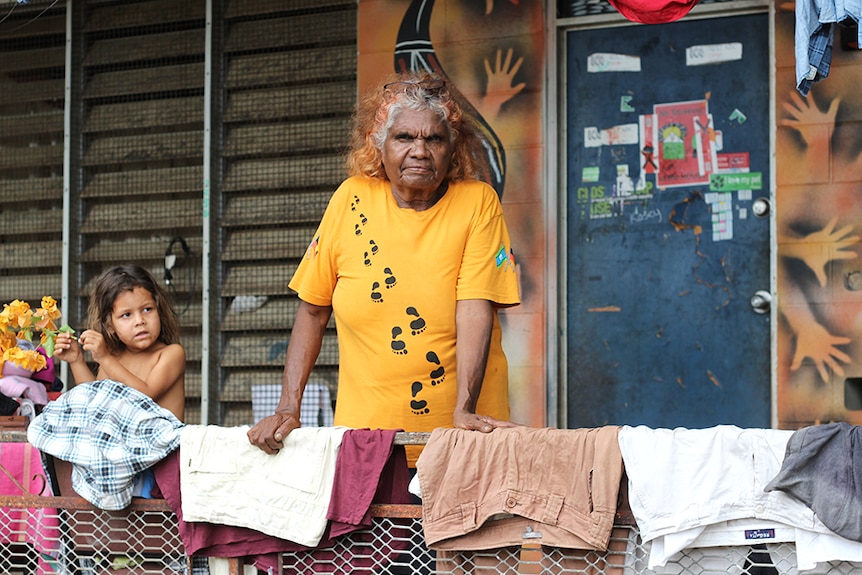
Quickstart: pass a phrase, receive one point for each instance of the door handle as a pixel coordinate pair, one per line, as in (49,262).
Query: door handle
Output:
(761,301)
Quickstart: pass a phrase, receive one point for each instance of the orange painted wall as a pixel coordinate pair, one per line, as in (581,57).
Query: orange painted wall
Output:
(493,51)
(818,229)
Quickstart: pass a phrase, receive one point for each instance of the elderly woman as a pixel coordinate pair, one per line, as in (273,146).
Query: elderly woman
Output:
(413,256)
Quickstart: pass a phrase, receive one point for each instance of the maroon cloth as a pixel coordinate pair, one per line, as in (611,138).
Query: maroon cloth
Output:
(369,469)
(653,11)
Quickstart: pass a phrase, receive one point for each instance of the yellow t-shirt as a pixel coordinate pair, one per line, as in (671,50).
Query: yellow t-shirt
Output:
(393,277)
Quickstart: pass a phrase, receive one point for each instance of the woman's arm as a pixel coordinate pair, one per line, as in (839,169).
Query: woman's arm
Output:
(474,320)
(306,338)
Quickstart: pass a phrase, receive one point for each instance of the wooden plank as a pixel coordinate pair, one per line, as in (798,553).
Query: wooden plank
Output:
(193,384)
(192,345)
(123,15)
(292,102)
(27,255)
(152,46)
(288,208)
(136,249)
(136,216)
(258,280)
(285,173)
(182,113)
(193,414)
(268,351)
(22,92)
(276,314)
(329,134)
(145,148)
(159,181)
(246,245)
(295,30)
(238,382)
(29,222)
(34,59)
(146,81)
(30,287)
(50,122)
(32,157)
(237,414)
(37,24)
(238,8)
(295,67)
(31,189)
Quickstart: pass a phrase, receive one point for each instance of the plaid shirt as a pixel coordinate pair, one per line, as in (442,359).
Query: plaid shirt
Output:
(109,432)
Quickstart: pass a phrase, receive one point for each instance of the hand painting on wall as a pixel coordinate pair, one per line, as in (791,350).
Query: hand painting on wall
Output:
(816,249)
(500,89)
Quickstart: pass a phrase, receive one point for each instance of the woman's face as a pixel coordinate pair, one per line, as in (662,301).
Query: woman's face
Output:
(416,153)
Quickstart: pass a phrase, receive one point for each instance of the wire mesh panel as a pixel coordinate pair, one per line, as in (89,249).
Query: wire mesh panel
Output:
(140,125)
(71,537)
(288,92)
(32,69)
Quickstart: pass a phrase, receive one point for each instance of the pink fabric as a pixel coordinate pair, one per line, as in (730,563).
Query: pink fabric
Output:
(368,469)
(16,386)
(39,527)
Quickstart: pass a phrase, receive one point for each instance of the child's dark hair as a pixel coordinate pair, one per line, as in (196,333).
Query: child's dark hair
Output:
(117,280)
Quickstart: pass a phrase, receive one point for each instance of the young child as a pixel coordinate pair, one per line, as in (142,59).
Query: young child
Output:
(133,336)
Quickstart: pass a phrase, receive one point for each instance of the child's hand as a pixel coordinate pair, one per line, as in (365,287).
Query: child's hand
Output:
(66,348)
(94,342)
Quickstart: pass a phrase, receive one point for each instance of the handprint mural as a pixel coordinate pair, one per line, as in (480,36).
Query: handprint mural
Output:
(818,230)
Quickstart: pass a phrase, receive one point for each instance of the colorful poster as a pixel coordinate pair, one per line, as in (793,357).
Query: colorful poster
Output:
(686,143)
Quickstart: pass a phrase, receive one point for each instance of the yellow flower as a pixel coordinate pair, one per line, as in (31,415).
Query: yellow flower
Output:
(47,314)
(18,323)
(28,359)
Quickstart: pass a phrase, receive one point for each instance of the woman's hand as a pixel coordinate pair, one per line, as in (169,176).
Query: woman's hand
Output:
(269,433)
(473,421)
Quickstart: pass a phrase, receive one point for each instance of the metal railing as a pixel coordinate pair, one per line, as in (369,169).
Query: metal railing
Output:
(67,535)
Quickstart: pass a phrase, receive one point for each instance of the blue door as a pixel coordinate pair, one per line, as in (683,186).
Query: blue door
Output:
(667,258)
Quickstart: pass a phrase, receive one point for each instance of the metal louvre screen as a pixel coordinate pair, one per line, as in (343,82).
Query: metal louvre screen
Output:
(288,92)
(141,120)
(155,153)
(32,101)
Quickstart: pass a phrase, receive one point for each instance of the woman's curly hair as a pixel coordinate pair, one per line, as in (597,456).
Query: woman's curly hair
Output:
(377,110)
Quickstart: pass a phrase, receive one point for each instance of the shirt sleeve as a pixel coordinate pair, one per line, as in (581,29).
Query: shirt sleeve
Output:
(317,273)
(488,263)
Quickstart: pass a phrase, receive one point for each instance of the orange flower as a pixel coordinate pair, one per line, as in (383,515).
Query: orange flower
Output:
(18,323)
(47,314)
(28,359)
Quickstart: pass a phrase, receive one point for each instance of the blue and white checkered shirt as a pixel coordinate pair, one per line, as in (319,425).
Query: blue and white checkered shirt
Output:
(109,432)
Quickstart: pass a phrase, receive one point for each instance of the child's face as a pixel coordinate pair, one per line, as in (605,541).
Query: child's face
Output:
(135,319)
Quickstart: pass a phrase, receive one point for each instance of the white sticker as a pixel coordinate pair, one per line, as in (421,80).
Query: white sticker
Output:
(713,54)
(606,62)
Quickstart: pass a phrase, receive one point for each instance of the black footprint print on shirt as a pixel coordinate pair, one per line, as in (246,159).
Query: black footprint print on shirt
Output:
(438,375)
(419,407)
(362,219)
(398,346)
(374,247)
(417,325)
(390,280)
(357,230)
(376,296)
(353,203)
